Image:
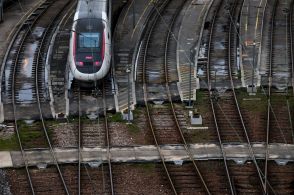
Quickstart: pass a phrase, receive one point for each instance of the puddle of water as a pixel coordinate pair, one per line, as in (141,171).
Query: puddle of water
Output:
(152,75)
(27,62)
(25,94)
(38,32)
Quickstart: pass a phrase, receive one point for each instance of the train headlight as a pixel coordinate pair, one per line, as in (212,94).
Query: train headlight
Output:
(80,63)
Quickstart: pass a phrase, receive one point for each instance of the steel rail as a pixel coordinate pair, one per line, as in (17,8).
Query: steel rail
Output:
(79,141)
(80,145)
(40,58)
(146,101)
(269,92)
(237,104)
(173,108)
(260,174)
(28,27)
(107,139)
(211,101)
(24,158)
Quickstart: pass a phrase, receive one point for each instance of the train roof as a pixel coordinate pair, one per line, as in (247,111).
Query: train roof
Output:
(90,9)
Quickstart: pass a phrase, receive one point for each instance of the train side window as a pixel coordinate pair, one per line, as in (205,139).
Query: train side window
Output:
(108,35)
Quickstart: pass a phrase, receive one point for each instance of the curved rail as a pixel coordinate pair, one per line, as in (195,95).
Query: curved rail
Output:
(28,28)
(269,92)
(238,108)
(147,107)
(276,16)
(243,123)
(40,59)
(211,101)
(173,108)
(17,131)
(264,182)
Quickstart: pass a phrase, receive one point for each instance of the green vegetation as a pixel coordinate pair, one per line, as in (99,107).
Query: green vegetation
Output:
(115,117)
(199,96)
(201,102)
(257,103)
(9,144)
(29,135)
(133,128)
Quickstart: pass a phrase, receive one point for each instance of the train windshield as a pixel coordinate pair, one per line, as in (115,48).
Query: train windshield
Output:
(89,44)
(89,40)
(89,34)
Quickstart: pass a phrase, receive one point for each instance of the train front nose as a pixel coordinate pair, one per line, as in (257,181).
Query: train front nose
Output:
(88,63)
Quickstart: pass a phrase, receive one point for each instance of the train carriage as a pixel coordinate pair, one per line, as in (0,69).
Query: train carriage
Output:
(89,54)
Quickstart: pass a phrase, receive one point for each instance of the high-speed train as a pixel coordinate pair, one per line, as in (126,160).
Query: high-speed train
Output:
(90,41)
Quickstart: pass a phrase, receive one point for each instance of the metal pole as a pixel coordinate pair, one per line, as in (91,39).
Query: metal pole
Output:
(129,99)
(190,84)
(190,77)
(253,66)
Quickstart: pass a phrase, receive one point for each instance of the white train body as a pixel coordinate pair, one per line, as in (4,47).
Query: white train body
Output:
(90,42)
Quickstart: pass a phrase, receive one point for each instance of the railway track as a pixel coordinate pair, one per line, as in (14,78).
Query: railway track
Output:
(22,41)
(279,120)
(88,139)
(229,123)
(163,119)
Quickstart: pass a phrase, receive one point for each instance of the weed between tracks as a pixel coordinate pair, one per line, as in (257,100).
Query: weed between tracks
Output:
(255,104)
(30,135)
(115,117)
(9,143)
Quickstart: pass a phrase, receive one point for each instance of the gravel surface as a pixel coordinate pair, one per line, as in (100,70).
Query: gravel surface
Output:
(4,185)
(127,178)
(7,132)
(140,179)
(64,134)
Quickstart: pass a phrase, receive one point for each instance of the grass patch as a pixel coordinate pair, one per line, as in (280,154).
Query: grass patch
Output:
(115,117)
(28,133)
(201,102)
(199,96)
(9,144)
(257,103)
(137,112)
(31,135)
(133,128)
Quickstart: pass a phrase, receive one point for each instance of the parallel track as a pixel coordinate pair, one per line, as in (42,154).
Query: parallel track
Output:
(82,142)
(229,121)
(279,124)
(38,72)
(165,134)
